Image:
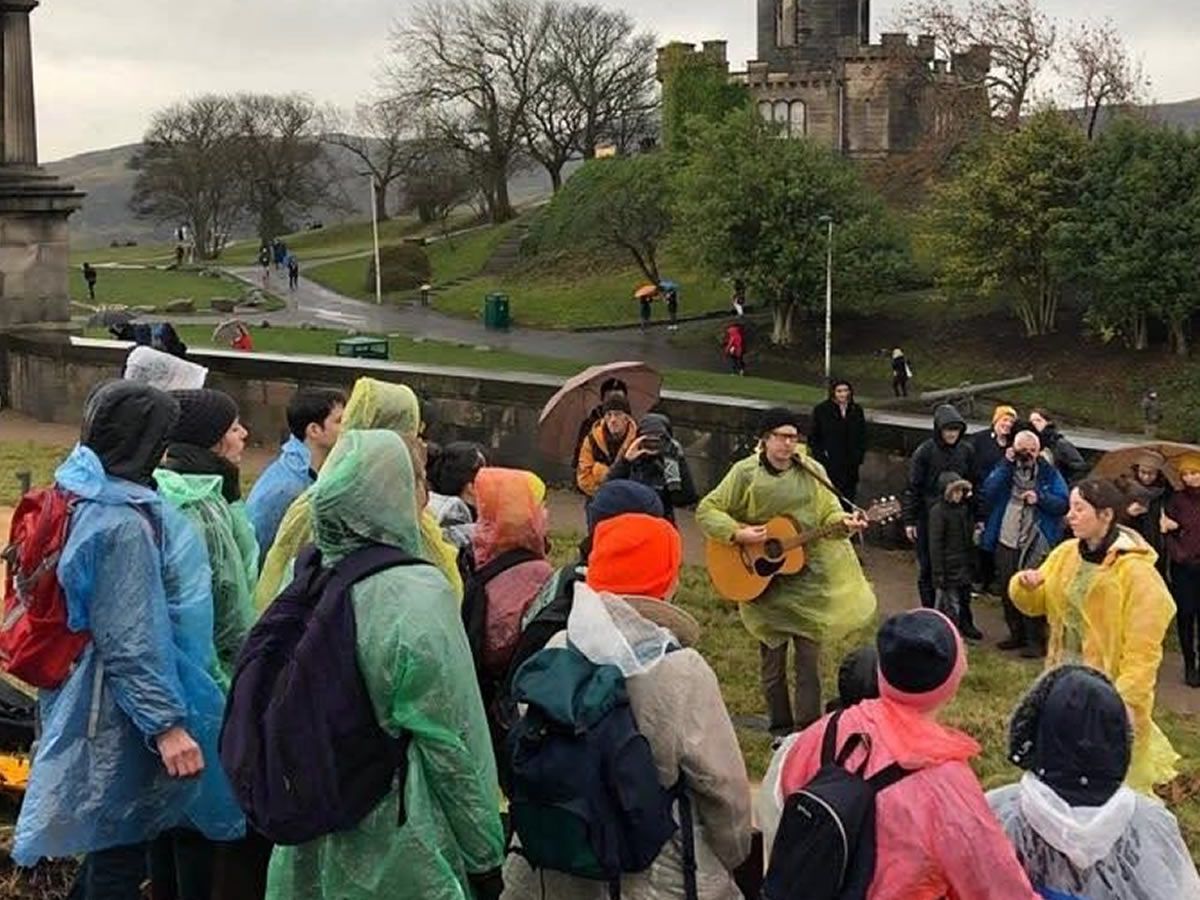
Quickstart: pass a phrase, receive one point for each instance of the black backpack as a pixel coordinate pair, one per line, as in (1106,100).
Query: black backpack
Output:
(825,847)
(475,601)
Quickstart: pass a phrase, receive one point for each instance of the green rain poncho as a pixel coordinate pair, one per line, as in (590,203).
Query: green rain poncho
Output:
(232,554)
(831,596)
(372,404)
(414,657)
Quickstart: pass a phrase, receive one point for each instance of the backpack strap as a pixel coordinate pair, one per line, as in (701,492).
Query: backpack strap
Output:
(885,778)
(502,563)
(829,743)
(687,829)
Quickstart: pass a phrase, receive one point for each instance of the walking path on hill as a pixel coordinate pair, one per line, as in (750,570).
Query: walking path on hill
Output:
(893,573)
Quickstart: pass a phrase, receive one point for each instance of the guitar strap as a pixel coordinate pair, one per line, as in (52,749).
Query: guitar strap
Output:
(825,482)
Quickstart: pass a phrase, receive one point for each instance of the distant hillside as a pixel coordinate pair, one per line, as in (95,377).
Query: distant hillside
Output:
(1185,114)
(106,177)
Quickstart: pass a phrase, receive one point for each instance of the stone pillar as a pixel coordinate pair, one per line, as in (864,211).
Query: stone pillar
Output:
(20,121)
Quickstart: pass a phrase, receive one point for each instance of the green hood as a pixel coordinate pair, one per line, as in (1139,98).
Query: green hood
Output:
(366,494)
(568,689)
(183,490)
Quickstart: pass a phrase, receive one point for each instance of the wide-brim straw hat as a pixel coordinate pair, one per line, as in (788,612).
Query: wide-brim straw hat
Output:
(669,616)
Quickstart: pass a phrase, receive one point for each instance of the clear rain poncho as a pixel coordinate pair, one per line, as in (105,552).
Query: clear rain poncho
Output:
(831,596)
(96,782)
(372,405)
(232,556)
(1130,847)
(419,673)
(285,479)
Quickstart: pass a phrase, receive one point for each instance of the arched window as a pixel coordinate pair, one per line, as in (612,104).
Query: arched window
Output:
(765,110)
(797,119)
(781,115)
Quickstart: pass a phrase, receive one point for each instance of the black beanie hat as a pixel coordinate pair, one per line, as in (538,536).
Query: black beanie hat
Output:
(918,651)
(204,417)
(777,417)
(616,403)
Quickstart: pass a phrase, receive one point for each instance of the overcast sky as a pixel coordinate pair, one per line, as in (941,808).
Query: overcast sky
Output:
(103,66)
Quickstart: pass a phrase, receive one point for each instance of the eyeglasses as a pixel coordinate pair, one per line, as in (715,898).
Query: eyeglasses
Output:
(788,437)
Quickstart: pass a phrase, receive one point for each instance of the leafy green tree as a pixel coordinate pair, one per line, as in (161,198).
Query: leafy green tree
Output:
(694,84)
(1133,243)
(621,204)
(993,223)
(750,205)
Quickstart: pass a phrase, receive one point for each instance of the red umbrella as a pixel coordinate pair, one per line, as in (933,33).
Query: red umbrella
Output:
(558,425)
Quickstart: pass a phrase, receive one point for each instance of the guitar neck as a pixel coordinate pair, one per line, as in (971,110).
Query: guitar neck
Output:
(816,534)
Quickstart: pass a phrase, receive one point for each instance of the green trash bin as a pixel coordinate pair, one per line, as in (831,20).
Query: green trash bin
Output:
(495,312)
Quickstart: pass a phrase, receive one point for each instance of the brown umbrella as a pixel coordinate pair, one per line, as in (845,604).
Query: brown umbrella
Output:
(558,425)
(1116,463)
(228,330)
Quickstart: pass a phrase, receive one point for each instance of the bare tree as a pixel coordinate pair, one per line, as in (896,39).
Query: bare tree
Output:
(380,136)
(281,166)
(186,170)
(1021,36)
(606,69)
(1099,72)
(473,64)
(439,181)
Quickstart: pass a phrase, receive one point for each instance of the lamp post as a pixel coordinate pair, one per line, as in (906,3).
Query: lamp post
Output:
(828,220)
(375,238)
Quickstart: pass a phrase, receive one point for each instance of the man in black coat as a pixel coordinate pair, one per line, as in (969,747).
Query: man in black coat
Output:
(838,438)
(945,451)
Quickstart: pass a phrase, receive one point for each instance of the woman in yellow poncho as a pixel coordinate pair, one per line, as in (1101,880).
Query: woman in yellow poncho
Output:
(372,405)
(1108,608)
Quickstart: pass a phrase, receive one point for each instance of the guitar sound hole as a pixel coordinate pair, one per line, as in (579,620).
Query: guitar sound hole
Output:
(773,549)
(765,568)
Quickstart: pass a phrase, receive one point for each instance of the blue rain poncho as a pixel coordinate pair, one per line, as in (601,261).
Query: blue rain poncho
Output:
(135,575)
(418,670)
(281,482)
(232,557)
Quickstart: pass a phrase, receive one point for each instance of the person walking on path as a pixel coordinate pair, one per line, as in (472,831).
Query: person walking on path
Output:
(672,297)
(1182,525)
(831,597)
(951,550)
(1108,608)
(1077,830)
(945,451)
(293,269)
(934,834)
(1028,499)
(264,260)
(838,440)
(901,373)
(1061,452)
(1152,414)
(605,444)
(676,702)
(200,476)
(414,659)
(372,404)
(644,310)
(128,742)
(735,347)
(314,417)
(90,275)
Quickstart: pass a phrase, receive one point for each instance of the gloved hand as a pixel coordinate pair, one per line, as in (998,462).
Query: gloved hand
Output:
(487,885)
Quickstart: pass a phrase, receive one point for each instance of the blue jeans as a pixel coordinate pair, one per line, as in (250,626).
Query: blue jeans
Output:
(113,874)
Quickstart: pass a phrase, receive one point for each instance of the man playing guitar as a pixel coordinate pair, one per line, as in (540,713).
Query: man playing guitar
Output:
(830,597)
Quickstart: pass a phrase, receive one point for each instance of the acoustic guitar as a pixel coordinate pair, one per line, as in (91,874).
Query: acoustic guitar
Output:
(742,573)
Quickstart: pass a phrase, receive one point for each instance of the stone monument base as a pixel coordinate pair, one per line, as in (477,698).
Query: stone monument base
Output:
(34,246)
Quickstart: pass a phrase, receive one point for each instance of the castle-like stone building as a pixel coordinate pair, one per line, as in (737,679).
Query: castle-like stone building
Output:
(819,76)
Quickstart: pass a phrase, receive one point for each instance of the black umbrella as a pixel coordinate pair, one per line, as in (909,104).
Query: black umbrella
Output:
(110,318)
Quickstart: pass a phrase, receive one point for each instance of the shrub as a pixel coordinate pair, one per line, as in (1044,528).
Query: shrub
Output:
(405,267)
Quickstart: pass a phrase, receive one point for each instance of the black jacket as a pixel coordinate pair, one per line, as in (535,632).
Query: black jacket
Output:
(1065,455)
(933,459)
(987,453)
(951,536)
(839,442)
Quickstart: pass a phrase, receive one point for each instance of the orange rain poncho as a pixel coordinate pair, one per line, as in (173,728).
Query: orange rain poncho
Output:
(511,517)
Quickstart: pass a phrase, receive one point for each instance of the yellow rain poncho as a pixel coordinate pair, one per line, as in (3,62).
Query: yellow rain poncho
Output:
(418,670)
(372,405)
(1112,617)
(831,596)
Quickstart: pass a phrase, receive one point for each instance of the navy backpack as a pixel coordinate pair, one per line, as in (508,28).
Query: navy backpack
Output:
(582,783)
(301,744)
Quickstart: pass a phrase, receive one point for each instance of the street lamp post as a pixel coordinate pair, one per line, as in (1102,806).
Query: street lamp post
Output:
(375,238)
(828,220)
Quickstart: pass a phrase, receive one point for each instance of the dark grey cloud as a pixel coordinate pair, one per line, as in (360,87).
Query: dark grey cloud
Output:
(103,66)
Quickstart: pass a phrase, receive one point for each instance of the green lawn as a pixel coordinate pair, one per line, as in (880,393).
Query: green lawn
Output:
(450,258)
(141,255)
(320,342)
(154,287)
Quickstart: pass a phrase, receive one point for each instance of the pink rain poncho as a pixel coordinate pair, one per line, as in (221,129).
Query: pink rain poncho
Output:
(511,517)
(936,836)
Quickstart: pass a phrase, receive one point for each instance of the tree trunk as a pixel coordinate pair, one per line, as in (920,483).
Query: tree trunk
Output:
(1179,337)
(502,210)
(381,207)
(781,323)
(556,179)
(1141,333)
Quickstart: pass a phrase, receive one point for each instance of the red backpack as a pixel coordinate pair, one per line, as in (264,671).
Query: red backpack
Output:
(36,645)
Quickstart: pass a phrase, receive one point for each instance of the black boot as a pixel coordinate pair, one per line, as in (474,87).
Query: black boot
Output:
(1191,676)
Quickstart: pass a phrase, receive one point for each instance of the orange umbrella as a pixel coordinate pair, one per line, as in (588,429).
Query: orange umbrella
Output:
(558,425)
(646,290)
